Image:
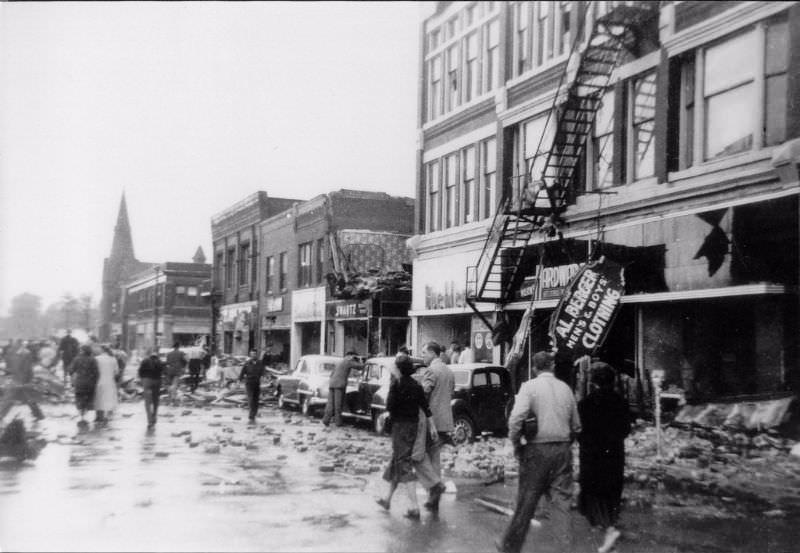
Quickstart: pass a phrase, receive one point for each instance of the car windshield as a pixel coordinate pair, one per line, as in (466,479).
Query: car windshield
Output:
(461,377)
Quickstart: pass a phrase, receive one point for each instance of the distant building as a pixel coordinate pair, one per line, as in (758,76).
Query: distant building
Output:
(118,268)
(235,237)
(307,250)
(162,305)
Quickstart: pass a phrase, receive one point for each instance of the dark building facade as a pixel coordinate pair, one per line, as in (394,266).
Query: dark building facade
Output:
(163,305)
(235,237)
(343,232)
(685,172)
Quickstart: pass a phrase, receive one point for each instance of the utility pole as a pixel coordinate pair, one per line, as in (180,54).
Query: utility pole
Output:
(155,308)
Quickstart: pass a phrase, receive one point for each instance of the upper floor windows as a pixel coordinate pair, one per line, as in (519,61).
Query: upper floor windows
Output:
(469,186)
(730,96)
(462,59)
(283,275)
(541,31)
(320,260)
(229,267)
(304,274)
(270,274)
(244,264)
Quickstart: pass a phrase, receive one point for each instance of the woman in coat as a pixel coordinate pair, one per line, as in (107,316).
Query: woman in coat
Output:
(105,393)
(605,424)
(404,401)
(84,374)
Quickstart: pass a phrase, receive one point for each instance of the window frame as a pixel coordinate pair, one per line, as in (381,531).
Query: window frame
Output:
(243,277)
(304,267)
(269,271)
(283,275)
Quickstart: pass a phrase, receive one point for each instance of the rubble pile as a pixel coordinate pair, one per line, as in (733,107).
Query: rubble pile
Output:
(487,458)
(750,467)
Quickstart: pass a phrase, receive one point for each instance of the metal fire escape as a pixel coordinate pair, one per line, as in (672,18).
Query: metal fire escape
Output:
(539,207)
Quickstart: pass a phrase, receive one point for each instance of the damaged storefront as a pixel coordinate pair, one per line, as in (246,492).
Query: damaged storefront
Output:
(276,330)
(376,325)
(308,320)
(238,327)
(710,297)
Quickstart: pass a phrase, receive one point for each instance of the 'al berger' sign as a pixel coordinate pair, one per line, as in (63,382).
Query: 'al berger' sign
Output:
(584,315)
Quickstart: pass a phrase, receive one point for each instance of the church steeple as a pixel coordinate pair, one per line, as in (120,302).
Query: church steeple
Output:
(122,246)
(199,255)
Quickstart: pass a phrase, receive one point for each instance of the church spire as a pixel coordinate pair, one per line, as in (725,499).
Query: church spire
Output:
(199,255)
(122,246)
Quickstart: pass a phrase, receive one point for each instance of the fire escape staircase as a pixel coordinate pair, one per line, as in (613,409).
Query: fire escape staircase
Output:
(545,196)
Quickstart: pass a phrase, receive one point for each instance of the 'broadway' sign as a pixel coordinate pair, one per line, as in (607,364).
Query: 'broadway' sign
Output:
(584,315)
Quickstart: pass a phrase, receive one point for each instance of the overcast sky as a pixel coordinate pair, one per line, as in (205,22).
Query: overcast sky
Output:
(188,107)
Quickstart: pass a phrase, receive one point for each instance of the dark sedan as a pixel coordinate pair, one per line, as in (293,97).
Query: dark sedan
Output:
(482,400)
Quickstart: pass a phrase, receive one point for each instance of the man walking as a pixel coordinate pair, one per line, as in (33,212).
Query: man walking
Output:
(67,350)
(252,371)
(438,383)
(545,460)
(337,386)
(19,363)
(176,362)
(150,371)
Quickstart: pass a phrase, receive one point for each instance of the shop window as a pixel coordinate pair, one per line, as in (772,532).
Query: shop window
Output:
(304,267)
(284,274)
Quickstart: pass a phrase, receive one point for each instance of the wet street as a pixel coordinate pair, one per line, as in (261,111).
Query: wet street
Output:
(205,481)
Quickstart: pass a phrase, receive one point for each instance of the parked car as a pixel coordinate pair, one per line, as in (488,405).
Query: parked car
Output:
(482,400)
(307,385)
(359,400)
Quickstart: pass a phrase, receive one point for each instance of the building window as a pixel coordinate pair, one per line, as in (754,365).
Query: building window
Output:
(320,260)
(304,266)
(435,92)
(218,270)
(522,59)
(452,78)
(451,197)
(564,27)
(192,291)
(433,39)
(451,27)
(642,102)
(229,267)
(732,94)
(270,272)
(537,136)
(602,143)
(544,43)
(488,177)
(179,290)
(244,264)
(284,268)
(492,52)
(434,197)
(470,14)
(469,197)
(471,72)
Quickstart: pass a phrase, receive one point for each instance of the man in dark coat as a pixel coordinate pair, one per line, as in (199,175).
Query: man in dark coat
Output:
(68,350)
(336,388)
(20,367)
(151,370)
(252,371)
(176,363)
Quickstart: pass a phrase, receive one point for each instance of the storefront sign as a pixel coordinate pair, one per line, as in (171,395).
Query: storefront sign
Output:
(440,282)
(273,304)
(308,304)
(586,311)
(348,309)
(552,281)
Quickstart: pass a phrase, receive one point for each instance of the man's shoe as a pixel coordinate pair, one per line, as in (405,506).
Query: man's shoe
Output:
(383,503)
(498,545)
(413,514)
(435,495)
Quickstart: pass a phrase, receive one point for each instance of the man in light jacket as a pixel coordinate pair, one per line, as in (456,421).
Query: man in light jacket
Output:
(438,383)
(545,462)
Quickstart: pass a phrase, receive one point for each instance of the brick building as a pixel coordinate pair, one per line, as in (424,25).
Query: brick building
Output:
(662,134)
(162,305)
(236,242)
(315,239)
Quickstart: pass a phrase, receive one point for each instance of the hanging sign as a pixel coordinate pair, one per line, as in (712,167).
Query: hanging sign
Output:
(587,309)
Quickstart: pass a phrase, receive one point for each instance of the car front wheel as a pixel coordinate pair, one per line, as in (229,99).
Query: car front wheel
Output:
(463,428)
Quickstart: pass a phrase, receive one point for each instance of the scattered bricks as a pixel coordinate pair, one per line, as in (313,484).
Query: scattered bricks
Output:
(162,454)
(194,444)
(251,446)
(236,443)
(281,457)
(775,513)
(302,449)
(215,424)
(326,468)
(212,448)
(181,433)
(237,418)
(186,412)
(276,440)
(217,415)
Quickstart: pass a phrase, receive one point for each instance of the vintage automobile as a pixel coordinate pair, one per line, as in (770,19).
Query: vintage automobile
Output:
(358,401)
(307,385)
(481,402)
